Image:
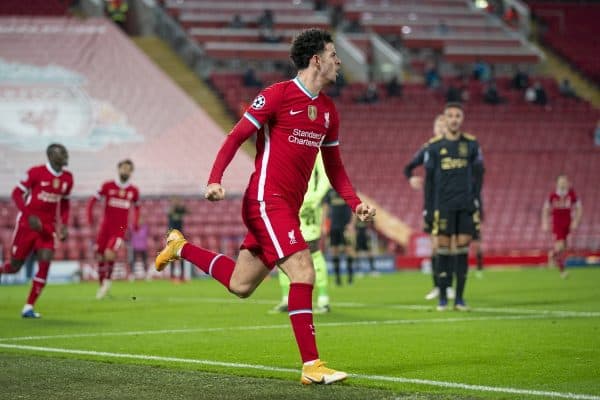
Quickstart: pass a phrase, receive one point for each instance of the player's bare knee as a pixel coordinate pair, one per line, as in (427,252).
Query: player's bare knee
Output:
(242,290)
(109,255)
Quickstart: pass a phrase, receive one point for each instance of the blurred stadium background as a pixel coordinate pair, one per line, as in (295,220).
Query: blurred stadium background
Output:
(161,82)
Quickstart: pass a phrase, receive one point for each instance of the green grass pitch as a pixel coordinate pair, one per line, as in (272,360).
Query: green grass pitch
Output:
(530,335)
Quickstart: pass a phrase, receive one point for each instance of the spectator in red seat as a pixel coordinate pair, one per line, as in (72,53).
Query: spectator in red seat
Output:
(536,94)
(370,96)
(597,134)
(394,87)
(520,80)
(237,22)
(250,79)
(432,76)
(266,20)
(482,71)
(458,91)
(566,90)
(491,95)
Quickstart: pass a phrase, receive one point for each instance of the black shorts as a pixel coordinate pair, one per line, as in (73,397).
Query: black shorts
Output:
(362,240)
(453,222)
(337,238)
(476,225)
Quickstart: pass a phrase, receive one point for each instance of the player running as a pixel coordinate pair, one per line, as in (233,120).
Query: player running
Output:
(40,196)
(120,197)
(294,119)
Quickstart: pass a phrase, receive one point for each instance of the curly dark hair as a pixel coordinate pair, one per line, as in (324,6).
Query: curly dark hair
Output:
(126,161)
(308,43)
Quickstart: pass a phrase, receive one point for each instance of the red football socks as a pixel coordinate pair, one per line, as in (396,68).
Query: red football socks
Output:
(301,317)
(214,264)
(38,282)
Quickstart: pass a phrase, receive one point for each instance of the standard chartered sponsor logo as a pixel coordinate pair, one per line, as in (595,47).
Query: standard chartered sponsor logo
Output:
(49,197)
(306,138)
(119,203)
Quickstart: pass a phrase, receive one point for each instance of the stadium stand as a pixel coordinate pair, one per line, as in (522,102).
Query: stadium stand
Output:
(531,149)
(569,29)
(85,84)
(139,113)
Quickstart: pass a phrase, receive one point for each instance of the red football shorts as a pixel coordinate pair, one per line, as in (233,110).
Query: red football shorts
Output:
(25,240)
(561,231)
(273,230)
(109,238)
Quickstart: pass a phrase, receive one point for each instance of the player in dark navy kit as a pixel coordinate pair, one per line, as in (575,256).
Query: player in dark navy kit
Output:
(454,166)
(340,216)
(416,182)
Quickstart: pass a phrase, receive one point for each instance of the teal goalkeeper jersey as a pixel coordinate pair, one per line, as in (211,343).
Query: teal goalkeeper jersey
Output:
(311,212)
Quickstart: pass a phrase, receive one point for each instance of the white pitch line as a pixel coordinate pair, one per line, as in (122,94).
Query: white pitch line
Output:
(560,313)
(279,326)
(396,379)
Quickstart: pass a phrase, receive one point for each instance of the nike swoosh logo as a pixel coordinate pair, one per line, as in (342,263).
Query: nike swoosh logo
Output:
(292,112)
(45,183)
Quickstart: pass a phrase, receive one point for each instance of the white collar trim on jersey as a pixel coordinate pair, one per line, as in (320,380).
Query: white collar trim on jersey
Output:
(305,90)
(121,185)
(52,171)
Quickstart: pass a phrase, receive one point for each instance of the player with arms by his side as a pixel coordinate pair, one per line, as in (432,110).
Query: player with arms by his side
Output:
(416,182)
(566,210)
(294,119)
(120,197)
(40,196)
(454,166)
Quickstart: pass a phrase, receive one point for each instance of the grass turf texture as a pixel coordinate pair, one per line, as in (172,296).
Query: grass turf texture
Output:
(529,331)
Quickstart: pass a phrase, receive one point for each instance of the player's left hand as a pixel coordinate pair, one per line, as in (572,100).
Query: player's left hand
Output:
(365,212)
(63,233)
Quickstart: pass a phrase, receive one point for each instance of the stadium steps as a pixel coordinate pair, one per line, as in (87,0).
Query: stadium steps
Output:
(173,66)
(553,65)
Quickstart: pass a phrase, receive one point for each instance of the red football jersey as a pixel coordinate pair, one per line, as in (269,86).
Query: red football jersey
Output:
(562,207)
(292,125)
(45,188)
(119,199)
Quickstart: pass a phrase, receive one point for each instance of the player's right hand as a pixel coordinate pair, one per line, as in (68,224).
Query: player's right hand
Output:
(415,182)
(545,227)
(214,192)
(35,223)
(365,212)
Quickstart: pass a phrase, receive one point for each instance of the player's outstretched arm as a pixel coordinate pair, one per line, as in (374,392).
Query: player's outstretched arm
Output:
(214,192)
